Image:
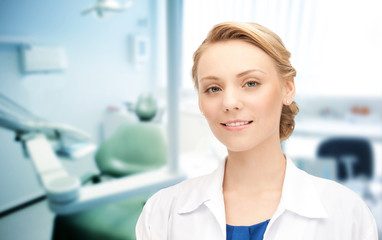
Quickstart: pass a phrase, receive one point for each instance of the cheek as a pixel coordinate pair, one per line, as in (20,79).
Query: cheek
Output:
(209,107)
(268,104)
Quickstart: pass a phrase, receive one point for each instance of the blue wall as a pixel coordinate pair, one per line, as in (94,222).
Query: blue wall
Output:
(99,73)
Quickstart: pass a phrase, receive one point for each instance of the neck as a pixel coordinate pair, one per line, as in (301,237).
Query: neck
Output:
(258,169)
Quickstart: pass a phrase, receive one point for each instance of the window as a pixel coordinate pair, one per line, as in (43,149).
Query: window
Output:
(335,45)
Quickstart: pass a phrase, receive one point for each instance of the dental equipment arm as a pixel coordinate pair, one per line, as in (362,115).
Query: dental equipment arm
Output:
(16,118)
(64,191)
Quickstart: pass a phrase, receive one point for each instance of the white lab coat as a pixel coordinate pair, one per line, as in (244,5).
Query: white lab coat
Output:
(310,208)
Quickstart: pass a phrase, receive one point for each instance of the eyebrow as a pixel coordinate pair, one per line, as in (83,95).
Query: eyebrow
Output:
(239,75)
(248,72)
(209,78)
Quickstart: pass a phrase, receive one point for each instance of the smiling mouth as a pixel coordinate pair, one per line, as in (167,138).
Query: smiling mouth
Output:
(236,124)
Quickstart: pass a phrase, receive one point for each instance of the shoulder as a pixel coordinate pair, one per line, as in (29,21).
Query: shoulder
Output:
(171,194)
(344,207)
(160,208)
(330,193)
(193,189)
(335,194)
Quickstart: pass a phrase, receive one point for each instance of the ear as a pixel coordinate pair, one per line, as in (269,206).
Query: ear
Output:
(289,91)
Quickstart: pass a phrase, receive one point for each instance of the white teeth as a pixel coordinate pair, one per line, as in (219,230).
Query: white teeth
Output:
(236,124)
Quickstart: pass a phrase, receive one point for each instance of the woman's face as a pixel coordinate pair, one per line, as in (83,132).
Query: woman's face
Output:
(241,94)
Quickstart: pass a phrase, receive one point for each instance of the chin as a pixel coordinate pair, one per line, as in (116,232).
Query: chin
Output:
(248,143)
(239,146)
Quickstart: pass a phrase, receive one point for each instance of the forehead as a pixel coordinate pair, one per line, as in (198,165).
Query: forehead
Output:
(233,56)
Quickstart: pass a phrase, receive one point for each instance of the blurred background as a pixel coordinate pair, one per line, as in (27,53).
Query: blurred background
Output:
(87,63)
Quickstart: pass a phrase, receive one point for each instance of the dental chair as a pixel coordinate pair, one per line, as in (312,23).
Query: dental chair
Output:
(134,148)
(354,156)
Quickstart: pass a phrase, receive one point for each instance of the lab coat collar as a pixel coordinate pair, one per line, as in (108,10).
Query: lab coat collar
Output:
(298,195)
(204,189)
(207,190)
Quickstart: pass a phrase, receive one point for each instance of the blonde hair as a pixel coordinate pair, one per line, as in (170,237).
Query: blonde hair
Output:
(264,39)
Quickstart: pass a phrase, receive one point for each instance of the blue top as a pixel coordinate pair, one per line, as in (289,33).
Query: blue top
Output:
(254,232)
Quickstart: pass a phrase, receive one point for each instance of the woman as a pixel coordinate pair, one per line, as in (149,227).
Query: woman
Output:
(246,88)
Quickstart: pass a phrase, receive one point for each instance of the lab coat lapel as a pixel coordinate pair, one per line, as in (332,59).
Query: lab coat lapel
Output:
(209,193)
(299,203)
(216,206)
(300,195)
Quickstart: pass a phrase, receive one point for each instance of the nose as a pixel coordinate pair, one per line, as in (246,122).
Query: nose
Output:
(231,100)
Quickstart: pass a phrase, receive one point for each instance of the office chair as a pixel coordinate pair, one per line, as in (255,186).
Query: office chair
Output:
(353,156)
(134,148)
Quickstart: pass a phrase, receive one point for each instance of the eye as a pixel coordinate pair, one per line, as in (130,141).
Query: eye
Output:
(213,89)
(251,84)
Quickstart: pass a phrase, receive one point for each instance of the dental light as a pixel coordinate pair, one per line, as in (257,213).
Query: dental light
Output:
(103,7)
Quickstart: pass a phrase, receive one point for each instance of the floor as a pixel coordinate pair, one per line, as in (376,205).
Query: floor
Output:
(33,222)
